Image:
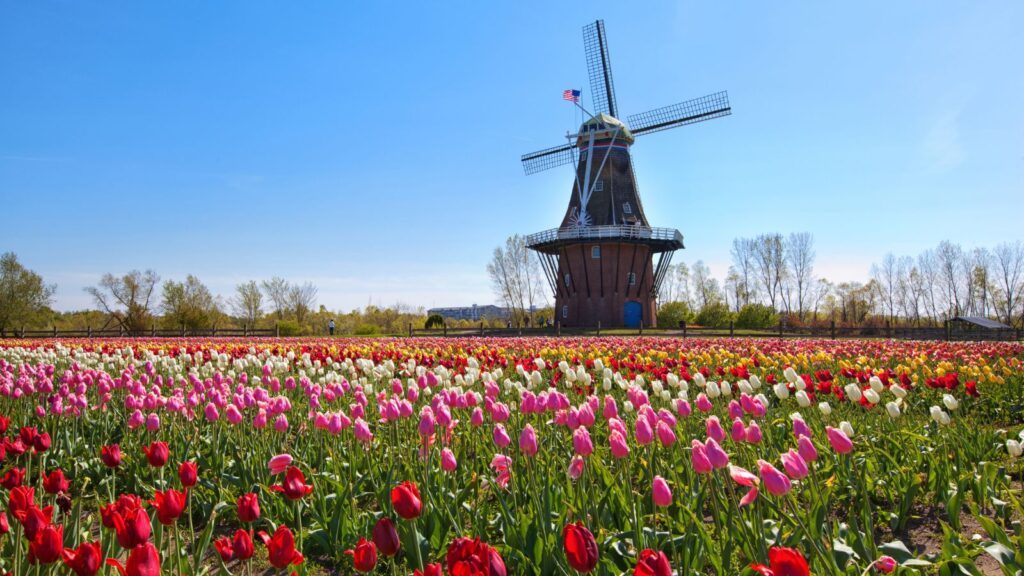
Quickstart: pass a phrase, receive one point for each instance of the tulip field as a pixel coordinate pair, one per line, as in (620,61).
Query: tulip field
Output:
(495,456)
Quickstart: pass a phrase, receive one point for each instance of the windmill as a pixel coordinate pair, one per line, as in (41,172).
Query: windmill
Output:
(599,262)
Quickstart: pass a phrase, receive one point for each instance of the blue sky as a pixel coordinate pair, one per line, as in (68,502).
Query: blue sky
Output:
(374,149)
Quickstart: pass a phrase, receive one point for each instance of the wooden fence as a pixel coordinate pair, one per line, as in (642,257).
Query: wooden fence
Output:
(153,332)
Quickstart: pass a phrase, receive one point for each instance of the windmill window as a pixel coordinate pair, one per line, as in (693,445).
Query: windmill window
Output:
(627,209)
(631,278)
(565,310)
(568,279)
(595,252)
(599,186)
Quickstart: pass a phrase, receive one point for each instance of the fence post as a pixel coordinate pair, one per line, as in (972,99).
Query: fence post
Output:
(888,328)
(245,329)
(54,330)
(558,327)
(410,329)
(277,330)
(445,328)
(780,327)
(948,331)
(481,328)
(682,323)
(88,331)
(120,330)
(832,329)
(732,328)
(22,331)
(598,327)
(152,331)
(214,332)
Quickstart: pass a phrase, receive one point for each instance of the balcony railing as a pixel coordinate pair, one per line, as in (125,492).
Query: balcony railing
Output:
(621,232)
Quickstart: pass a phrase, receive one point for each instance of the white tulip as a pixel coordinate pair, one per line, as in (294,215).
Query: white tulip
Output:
(802,399)
(791,375)
(726,388)
(682,395)
(712,389)
(893,409)
(656,386)
(781,390)
(1014,448)
(745,387)
(755,381)
(627,406)
(876,384)
(699,379)
(938,415)
(666,395)
(598,365)
(762,399)
(606,384)
(951,403)
(672,380)
(898,391)
(536,378)
(847,428)
(852,392)
(872,396)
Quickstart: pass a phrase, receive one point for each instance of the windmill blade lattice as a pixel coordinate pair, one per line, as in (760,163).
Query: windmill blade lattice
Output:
(542,160)
(690,112)
(599,69)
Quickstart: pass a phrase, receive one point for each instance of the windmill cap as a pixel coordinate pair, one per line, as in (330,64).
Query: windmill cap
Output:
(605,126)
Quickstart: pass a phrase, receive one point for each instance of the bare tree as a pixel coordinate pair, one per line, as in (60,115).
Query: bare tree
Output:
(126,299)
(886,280)
(23,294)
(516,278)
(950,258)
(1009,271)
(301,300)
(743,260)
(928,266)
(799,253)
(704,284)
(770,263)
(277,290)
(247,303)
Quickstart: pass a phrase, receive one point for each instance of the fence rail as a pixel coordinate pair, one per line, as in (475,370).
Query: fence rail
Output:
(154,332)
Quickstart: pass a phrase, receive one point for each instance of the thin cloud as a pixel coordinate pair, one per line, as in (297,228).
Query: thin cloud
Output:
(943,144)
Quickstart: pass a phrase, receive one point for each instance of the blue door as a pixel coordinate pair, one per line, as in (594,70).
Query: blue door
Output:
(632,314)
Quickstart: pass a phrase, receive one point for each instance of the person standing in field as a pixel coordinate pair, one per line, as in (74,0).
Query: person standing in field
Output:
(330,326)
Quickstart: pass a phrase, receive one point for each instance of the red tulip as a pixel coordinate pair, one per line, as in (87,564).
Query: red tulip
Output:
(406,500)
(47,545)
(241,545)
(144,560)
(385,536)
(133,527)
(294,484)
(21,499)
(473,558)
(169,505)
(111,455)
(224,548)
(651,563)
(784,562)
(27,435)
(125,502)
(85,560)
(12,478)
(188,473)
(281,547)
(364,556)
(430,570)
(157,454)
(580,547)
(41,442)
(34,519)
(248,507)
(55,482)
(5,526)
(5,422)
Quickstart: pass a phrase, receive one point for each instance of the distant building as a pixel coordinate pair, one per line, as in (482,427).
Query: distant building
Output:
(474,312)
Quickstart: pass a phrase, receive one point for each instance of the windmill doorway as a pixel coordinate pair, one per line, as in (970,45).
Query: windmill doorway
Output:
(632,314)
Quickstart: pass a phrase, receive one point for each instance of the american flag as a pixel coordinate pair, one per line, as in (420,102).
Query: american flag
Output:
(571,95)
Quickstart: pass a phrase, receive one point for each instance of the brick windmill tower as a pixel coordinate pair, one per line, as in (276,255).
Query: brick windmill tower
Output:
(600,260)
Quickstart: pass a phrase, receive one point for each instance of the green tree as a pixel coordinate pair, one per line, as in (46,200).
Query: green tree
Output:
(714,315)
(24,297)
(756,316)
(671,313)
(189,304)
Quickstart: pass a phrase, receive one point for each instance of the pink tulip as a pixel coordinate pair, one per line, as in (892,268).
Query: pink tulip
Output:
(576,467)
(753,433)
(703,403)
(362,431)
(448,462)
(735,411)
(800,428)
(744,477)
(211,412)
(501,437)
(279,463)
(714,428)
(716,455)
(661,493)
(611,409)
(666,435)
(806,448)
(739,431)
(840,442)
(644,433)
(528,441)
(683,408)
(477,418)
(775,482)
(619,446)
(281,423)
(426,426)
(581,442)
(886,564)
(795,465)
(699,458)
(153,422)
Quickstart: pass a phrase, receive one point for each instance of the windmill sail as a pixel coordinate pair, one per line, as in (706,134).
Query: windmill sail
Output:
(599,69)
